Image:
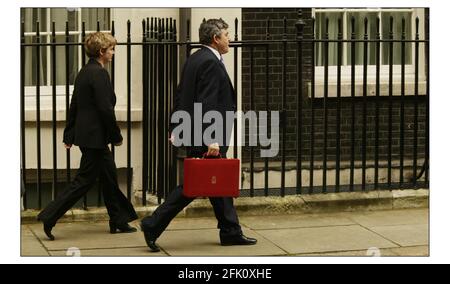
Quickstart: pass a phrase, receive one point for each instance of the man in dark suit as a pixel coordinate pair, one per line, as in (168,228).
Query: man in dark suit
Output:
(92,126)
(204,80)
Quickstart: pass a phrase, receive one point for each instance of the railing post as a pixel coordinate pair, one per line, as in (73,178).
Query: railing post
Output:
(83,62)
(364,114)
(145,131)
(391,62)
(38,115)
(174,75)
(377,104)
(235,80)
(402,103)
(252,107)
(325,111)
(416,103)
(299,25)
(54,143)
(100,184)
(113,73)
(313,88)
(266,160)
(169,65)
(68,176)
(426,165)
(166,107)
(160,133)
(188,38)
(338,107)
(162,108)
(153,104)
(352,103)
(283,109)
(129,177)
(22,114)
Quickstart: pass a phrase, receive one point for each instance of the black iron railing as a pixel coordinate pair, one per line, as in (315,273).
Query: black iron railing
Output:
(160,75)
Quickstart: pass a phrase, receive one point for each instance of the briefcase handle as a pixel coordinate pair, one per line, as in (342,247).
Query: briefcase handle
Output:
(212,157)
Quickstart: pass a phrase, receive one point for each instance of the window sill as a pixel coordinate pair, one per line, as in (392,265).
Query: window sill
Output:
(46,114)
(371,89)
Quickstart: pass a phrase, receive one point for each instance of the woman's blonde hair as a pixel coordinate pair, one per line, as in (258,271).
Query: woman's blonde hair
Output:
(98,41)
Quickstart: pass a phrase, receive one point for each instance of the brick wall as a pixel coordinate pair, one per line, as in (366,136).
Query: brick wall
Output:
(254,28)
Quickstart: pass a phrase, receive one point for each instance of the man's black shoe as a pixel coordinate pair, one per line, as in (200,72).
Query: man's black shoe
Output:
(48,232)
(150,240)
(237,240)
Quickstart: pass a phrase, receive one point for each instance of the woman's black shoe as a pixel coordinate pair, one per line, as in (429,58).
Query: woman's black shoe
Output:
(123,228)
(48,232)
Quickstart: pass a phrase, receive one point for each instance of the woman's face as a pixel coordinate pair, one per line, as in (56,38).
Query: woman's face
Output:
(107,55)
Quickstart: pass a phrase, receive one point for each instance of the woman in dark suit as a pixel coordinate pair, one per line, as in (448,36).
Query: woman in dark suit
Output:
(92,126)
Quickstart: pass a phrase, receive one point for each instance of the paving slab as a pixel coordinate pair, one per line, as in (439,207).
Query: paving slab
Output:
(293,221)
(391,217)
(357,253)
(86,235)
(193,223)
(30,245)
(419,251)
(404,235)
(206,243)
(325,239)
(412,251)
(125,252)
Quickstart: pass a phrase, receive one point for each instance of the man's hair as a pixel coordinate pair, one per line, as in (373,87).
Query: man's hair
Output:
(208,29)
(98,41)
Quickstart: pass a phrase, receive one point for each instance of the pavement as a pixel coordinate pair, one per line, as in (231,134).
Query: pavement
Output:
(399,232)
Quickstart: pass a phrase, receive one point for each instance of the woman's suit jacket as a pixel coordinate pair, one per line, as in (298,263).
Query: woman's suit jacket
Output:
(92,122)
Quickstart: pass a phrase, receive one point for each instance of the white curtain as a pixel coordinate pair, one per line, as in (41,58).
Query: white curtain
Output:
(359,35)
(397,36)
(60,16)
(29,17)
(91,15)
(333,30)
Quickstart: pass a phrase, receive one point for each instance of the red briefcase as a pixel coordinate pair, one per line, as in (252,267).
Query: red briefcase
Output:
(211,177)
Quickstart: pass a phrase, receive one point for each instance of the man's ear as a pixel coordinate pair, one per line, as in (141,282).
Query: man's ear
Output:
(215,39)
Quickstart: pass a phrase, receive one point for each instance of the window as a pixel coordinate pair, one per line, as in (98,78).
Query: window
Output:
(371,14)
(45,16)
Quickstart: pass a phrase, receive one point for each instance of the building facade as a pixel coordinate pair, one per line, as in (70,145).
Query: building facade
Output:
(246,24)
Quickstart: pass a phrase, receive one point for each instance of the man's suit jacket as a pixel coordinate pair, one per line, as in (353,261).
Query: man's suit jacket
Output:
(92,122)
(205,80)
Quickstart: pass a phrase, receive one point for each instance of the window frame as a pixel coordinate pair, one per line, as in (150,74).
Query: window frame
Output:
(371,69)
(46,89)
